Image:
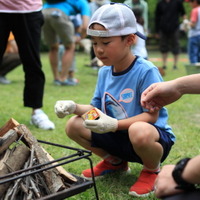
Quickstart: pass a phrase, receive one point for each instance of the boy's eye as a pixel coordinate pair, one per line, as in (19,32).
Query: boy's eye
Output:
(106,43)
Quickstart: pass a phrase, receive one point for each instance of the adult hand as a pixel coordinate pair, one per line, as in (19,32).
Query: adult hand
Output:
(159,94)
(63,108)
(102,125)
(165,184)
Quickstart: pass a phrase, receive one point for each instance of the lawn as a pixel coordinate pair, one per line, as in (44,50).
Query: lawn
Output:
(184,118)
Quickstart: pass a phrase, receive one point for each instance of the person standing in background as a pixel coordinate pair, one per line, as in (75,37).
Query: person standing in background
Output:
(167,15)
(10,61)
(25,19)
(139,48)
(194,32)
(76,20)
(58,27)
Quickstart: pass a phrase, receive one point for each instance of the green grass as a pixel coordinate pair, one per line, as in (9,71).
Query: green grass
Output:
(183,117)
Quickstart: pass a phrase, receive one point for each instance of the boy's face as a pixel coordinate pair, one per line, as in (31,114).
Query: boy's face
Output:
(110,50)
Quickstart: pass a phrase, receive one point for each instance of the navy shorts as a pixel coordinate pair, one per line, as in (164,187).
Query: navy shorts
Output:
(118,144)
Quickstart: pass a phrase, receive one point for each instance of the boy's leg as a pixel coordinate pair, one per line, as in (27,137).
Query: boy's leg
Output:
(144,138)
(77,132)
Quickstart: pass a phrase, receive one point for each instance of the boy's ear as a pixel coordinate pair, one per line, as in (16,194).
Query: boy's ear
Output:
(131,39)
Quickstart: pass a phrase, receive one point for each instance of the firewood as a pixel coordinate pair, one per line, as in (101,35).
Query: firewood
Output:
(61,170)
(53,180)
(11,124)
(7,139)
(15,162)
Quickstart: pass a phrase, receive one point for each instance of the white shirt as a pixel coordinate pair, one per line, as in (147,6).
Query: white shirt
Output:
(139,49)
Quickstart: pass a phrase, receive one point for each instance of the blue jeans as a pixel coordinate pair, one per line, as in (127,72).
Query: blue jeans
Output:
(194,49)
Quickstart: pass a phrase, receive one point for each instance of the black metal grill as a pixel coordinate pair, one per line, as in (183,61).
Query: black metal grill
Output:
(80,186)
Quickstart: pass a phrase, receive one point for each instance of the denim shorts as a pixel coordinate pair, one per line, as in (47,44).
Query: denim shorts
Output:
(118,144)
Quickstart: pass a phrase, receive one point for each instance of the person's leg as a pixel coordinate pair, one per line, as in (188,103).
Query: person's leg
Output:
(27,31)
(10,61)
(164,60)
(193,50)
(82,136)
(53,58)
(65,30)
(52,41)
(176,58)
(67,61)
(144,138)
(4,33)
(164,48)
(175,46)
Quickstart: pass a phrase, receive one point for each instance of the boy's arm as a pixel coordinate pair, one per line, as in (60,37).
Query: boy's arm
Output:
(66,107)
(144,117)
(81,109)
(105,123)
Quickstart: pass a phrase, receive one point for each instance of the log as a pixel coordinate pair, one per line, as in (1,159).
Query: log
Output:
(65,175)
(14,162)
(53,180)
(11,124)
(7,139)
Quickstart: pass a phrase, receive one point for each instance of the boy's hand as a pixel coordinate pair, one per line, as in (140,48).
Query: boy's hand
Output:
(102,125)
(63,108)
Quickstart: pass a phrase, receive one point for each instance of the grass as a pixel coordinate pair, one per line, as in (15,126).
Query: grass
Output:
(183,117)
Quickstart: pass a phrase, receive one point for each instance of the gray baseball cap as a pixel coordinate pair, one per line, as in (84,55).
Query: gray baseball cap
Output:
(118,19)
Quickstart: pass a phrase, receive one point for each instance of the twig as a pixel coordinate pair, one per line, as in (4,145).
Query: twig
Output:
(35,190)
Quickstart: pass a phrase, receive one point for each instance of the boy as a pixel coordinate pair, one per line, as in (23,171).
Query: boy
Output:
(124,132)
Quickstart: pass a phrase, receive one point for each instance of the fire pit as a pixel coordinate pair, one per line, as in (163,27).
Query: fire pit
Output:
(45,177)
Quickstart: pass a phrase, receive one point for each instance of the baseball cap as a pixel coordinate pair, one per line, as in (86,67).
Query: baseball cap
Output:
(118,19)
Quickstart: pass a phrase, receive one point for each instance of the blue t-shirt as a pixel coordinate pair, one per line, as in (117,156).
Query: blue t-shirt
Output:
(118,94)
(71,7)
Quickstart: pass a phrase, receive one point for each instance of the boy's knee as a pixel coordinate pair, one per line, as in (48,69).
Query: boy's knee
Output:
(139,134)
(72,126)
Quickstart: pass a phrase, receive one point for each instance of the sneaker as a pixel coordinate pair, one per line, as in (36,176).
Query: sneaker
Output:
(56,82)
(4,80)
(70,82)
(144,184)
(104,168)
(164,67)
(74,80)
(175,67)
(41,120)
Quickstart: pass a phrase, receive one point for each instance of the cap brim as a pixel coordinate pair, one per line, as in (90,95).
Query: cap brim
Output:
(141,35)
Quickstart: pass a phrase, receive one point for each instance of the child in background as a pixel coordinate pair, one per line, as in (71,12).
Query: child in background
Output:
(124,131)
(139,48)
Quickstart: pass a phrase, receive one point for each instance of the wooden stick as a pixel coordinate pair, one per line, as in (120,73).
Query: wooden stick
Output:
(66,175)
(7,139)
(11,124)
(52,178)
(21,153)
